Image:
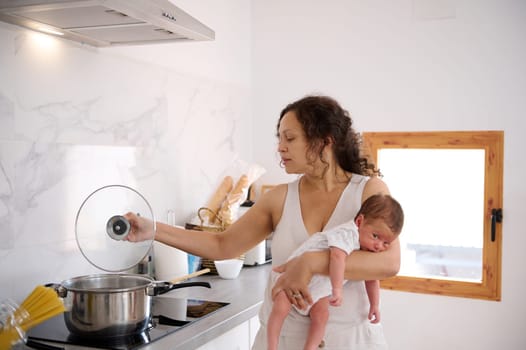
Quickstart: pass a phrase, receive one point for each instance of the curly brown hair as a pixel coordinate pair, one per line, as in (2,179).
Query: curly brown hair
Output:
(322,118)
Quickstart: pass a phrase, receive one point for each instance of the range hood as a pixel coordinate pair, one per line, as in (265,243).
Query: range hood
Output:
(106,22)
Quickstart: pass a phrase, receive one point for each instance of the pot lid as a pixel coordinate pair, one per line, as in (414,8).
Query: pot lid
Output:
(101,228)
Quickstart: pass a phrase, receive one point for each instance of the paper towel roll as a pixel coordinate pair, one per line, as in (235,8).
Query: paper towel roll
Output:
(169,262)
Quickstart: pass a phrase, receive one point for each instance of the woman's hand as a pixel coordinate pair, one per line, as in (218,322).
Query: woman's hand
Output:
(141,228)
(295,277)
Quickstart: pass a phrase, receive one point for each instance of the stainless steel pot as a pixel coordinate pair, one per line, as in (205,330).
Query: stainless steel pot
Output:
(108,305)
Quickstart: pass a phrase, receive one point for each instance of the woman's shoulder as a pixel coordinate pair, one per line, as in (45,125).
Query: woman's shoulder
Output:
(272,190)
(274,195)
(273,201)
(374,185)
(277,190)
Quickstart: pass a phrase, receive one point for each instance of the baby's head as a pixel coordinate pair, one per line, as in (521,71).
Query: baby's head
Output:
(379,222)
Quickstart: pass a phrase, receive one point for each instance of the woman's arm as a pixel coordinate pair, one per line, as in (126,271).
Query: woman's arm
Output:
(251,228)
(360,265)
(234,241)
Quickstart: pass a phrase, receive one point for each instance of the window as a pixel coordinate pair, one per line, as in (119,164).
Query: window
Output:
(450,186)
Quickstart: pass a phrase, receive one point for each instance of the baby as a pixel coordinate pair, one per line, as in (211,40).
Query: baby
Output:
(378,222)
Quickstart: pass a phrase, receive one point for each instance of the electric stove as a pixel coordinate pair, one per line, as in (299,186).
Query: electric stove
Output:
(168,316)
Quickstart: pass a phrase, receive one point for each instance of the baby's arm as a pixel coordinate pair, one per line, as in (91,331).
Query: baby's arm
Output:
(373,292)
(336,272)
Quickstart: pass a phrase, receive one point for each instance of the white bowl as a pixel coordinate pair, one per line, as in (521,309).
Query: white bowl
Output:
(228,269)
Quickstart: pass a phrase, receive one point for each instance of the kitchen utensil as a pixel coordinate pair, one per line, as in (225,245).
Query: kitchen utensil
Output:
(105,305)
(109,305)
(190,275)
(42,304)
(101,229)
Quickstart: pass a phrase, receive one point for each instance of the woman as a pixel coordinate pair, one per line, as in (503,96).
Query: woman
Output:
(316,141)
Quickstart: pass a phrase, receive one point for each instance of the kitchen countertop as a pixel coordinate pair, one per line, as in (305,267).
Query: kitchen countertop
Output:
(245,295)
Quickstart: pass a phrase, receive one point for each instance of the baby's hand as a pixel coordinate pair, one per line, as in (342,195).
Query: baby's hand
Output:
(336,298)
(374,314)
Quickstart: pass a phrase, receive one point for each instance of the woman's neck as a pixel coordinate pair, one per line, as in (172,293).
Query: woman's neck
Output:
(331,180)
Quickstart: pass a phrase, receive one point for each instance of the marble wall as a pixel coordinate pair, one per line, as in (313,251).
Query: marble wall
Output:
(74,118)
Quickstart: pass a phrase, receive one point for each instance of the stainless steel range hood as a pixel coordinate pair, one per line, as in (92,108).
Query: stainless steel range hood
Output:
(106,22)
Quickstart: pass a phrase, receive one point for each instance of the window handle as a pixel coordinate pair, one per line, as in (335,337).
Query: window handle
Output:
(496,216)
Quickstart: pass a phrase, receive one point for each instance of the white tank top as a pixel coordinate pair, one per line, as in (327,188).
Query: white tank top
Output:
(290,233)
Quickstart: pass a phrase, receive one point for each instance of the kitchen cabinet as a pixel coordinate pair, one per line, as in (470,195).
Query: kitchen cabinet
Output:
(253,327)
(238,338)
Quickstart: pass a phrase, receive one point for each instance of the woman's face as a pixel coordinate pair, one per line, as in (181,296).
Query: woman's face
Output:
(292,144)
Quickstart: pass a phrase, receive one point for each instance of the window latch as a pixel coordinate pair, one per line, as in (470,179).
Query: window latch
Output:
(496,216)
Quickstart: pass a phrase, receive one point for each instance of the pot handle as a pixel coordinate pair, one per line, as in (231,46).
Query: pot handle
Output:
(164,287)
(59,289)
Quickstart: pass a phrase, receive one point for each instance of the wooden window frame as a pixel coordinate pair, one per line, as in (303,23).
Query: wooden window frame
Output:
(492,142)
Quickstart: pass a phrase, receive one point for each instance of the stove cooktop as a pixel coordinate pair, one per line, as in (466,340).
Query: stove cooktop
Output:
(168,316)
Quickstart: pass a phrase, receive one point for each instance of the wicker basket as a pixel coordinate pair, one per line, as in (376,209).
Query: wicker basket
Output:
(207,263)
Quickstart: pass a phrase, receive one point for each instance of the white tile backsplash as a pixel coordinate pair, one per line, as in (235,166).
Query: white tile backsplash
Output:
(73,119)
